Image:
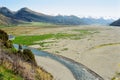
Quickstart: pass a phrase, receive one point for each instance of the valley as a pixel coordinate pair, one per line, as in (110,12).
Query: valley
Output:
(59,39)
(96,47)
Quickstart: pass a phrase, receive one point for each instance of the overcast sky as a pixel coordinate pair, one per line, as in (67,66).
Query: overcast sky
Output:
(94,8)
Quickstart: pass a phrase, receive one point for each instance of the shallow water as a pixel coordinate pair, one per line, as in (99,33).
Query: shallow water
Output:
(79,71)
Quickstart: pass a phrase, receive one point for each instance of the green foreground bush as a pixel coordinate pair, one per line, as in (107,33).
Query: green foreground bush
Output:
(3,35)
(28,56)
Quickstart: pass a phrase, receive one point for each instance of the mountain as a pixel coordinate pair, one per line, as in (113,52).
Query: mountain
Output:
(27,15)
(31,16)
(7,17)
(68,20)
(6,12)
(4,20)
(100,21)
(7,21)
(116,23)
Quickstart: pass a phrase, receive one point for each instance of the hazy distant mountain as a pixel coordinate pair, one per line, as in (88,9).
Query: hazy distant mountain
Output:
(101,21)
(28,15)
(116,23)
(74,20)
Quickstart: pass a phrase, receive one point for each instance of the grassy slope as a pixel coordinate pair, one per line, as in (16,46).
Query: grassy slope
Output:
(4,20)
(21,63)
(6,74)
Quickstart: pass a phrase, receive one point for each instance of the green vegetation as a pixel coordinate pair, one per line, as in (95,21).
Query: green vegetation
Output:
(3,35)
(83,32)
(29,40)
(28,56)
(57,52)
(6,74)
(103,45)
(41,24)
(64,49)
(4,38)
(19,62)
(116,77)
(8,44)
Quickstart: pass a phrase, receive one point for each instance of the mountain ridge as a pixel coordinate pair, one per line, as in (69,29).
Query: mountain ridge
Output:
(116,23)
(28,15)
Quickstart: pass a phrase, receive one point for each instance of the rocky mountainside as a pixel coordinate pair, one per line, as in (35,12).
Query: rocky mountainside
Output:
(116,23)
(4,20)
(8,21)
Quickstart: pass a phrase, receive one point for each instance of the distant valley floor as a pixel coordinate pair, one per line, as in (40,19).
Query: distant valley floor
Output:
(97,47)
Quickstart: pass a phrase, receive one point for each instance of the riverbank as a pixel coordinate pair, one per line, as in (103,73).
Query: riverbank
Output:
(58,70)
(18,65)
(98,51)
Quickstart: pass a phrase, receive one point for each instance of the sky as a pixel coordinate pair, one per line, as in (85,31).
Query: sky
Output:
(81,8)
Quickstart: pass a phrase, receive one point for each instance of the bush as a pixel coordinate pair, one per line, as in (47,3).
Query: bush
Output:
(8,44)
(3,35)
(28,56)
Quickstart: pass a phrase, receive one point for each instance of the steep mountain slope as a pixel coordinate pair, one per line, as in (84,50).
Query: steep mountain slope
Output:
(7,17)
(31,16)
(8,21)
(6,12)
(3,20)
(116,23)
(28,15)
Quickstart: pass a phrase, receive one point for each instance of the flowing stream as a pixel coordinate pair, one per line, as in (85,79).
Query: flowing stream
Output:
(79,71)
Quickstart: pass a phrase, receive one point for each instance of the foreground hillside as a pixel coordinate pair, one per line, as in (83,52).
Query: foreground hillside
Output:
(97,47)
(18,64)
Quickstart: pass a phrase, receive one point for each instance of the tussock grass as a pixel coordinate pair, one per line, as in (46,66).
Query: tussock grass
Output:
(19,62)
(6,74)
(104,45)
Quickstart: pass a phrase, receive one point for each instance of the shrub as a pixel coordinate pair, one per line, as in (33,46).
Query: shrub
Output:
(28,56)
(8,44)
(3,35)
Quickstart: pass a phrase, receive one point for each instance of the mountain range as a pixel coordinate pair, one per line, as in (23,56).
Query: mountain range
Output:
(28,15)
(116,23)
